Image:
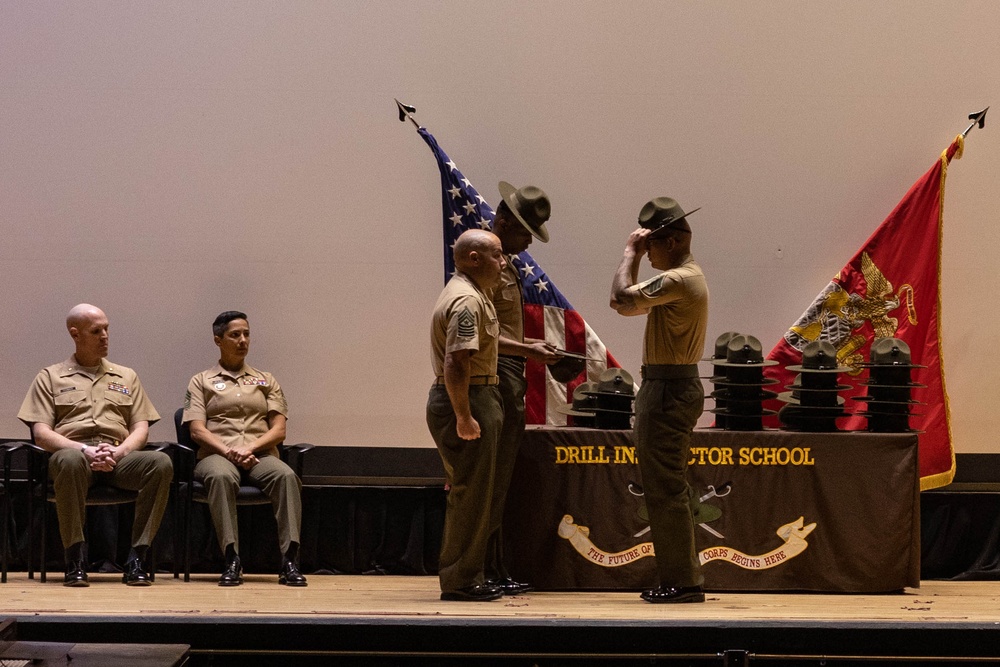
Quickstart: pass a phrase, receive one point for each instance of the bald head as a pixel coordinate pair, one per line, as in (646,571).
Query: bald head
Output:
(81,314)
(479,255)
(472,241)
(88,326)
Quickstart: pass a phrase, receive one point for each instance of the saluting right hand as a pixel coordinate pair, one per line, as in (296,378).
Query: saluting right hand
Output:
(637,241)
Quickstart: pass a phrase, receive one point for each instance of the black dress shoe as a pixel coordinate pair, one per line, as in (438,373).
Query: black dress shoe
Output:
(674,594)
(75,574)
(480,593)
(508,586)
(290,575)
(135,575)
(233,574)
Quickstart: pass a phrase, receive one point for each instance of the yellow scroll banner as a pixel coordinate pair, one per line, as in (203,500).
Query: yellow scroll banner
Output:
(794,536)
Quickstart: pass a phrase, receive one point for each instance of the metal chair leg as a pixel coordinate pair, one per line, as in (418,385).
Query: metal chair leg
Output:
(187,535)
(45,517)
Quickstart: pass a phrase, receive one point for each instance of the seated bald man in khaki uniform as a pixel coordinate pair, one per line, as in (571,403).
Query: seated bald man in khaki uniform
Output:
(94,417)
(237,416)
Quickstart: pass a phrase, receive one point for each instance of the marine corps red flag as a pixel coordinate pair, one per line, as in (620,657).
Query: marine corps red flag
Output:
(890,288)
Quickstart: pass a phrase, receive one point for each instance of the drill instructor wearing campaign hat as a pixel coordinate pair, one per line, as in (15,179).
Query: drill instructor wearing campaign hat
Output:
(520,217)
(671,397)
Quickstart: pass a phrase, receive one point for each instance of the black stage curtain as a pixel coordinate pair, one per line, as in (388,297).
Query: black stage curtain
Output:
(393,530)
(960,535)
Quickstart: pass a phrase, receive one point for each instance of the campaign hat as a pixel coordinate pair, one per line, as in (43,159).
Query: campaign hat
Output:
(795,397)
(662,214)
(819,356)
(567,368)
(721,346)
(890,353)
(530,205)
(614,382)
(753,394)
(744,351)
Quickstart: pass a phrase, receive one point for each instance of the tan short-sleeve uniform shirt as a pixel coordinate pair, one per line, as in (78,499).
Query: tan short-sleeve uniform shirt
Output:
(509,305)
(87,409)
(234,406)
(677,301)
(464,319)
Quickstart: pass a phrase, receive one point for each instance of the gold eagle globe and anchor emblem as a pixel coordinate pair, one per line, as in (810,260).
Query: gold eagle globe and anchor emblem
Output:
(836,316)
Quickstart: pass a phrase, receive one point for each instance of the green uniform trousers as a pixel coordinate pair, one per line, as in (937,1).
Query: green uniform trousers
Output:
(469,466)
(149,473)
(271,475)
(666,411)
(512,388)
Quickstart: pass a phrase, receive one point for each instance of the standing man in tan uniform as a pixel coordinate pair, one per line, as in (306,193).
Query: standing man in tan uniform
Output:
(671,398)
(237,416)
(464,413)
(93,417)
(520,217)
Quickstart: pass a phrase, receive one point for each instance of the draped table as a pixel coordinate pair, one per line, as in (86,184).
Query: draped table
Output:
(780,511)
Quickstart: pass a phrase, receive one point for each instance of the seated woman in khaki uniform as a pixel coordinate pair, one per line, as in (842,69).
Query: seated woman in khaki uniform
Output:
(237,416)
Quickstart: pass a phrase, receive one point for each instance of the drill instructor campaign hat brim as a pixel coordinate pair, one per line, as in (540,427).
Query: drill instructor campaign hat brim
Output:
(530,205)
(662,214)
(580,401)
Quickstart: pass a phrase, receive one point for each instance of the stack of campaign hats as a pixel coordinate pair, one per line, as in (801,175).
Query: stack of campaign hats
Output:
(721,347)
(613,400)
(813,403)
(889,385)
(581,410)
(740,385)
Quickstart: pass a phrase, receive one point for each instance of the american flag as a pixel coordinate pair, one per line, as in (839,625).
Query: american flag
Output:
(548,315)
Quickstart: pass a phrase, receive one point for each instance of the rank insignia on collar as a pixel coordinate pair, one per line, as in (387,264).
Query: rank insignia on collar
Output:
(120,388)
(254,382)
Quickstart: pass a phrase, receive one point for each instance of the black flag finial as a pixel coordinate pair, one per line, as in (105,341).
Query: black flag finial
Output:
(404,112)
(977,118)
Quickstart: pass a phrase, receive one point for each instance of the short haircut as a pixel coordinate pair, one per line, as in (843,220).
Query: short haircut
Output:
(221,322)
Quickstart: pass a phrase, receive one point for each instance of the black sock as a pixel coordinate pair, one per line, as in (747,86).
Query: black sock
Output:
(231,552)
(75,552)
(293,552)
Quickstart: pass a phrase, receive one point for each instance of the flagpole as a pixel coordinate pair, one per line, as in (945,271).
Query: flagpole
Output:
(978,118)
(406,111)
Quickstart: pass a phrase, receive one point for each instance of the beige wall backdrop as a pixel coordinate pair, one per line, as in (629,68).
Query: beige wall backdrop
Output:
(170,160)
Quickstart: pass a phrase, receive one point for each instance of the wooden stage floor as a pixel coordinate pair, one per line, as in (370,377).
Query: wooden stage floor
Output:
(393,618)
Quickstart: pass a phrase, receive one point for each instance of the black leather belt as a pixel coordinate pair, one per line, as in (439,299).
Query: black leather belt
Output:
(475,380)
(669,371)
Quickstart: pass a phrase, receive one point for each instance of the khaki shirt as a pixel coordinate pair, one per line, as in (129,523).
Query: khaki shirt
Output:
(507,300)
(464,319)
(85,409)
(234,406)
(677,301)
